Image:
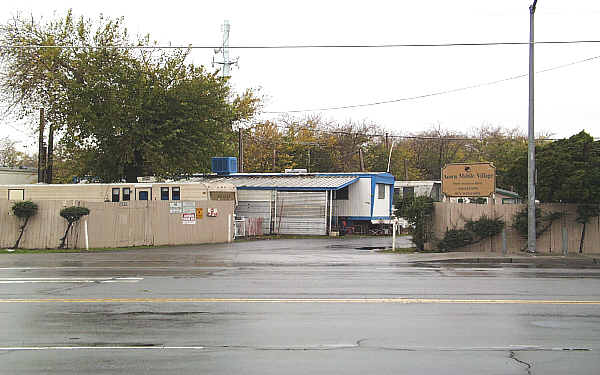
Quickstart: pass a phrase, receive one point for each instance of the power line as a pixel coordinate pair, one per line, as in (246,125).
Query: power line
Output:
(376,135)
(309,46)
(436,93)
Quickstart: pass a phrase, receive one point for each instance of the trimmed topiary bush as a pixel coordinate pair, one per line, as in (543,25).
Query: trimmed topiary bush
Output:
(24,210)
(72,215)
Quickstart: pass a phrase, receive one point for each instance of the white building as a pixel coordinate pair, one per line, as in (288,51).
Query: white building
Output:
(312,203)
(22,175)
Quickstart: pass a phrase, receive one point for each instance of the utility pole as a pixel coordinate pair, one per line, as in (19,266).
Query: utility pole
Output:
(241,150)
(50,158)
(41,148)
(531,241)
(224,50)
(362,160)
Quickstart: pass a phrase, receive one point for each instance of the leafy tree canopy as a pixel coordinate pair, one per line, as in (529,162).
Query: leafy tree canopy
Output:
(120,113)
(567,170)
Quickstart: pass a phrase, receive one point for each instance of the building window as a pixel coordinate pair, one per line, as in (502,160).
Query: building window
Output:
(116,193)
(342,194)
(16,194)
(143,195)
(408,192)
(126,194)
(175,193)
(164,193)
(380,191)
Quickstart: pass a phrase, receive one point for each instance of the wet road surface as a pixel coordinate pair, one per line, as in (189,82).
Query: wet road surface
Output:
(325,306)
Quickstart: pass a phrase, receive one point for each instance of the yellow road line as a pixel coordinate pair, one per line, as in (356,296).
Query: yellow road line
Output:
(303,300)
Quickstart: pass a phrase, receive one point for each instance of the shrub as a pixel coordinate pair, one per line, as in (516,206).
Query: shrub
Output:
(417,211)
(72,215)
(456,238)
(473,232)
(24,211)
(543,221)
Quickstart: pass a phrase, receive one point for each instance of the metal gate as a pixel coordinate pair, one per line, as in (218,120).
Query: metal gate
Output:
(253,203)
(301,213)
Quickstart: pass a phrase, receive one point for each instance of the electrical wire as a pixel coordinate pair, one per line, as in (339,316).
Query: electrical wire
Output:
(311,46)
(436,93)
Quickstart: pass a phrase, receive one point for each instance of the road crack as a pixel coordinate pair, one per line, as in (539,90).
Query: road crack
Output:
(513,356)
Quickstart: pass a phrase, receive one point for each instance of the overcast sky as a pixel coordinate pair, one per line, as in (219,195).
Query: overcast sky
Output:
(296,79)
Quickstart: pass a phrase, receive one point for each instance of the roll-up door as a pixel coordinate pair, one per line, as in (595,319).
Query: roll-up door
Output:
(301,213)
(255,203)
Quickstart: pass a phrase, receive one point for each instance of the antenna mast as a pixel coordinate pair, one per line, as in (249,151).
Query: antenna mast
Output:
(224,50)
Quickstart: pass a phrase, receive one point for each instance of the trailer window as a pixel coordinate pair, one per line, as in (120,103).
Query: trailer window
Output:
(342,194)
(116,193)
(175,193)
(126,194)
(164,193)
(380,191)
(143,195)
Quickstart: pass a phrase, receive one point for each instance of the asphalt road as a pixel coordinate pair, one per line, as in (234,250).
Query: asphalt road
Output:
(322,306)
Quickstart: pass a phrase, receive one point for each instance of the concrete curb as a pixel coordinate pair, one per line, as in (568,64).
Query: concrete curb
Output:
(534,260)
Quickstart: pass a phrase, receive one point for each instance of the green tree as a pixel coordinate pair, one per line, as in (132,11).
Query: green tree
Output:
(567,171)
(418,211)
(24,210)
(11,157)
(434,149)
(499,146)
(121,113)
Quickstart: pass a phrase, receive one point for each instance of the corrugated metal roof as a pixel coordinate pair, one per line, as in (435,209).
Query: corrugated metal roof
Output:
(299,182)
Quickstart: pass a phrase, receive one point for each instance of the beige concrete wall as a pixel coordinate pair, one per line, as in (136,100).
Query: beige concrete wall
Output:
(454,215)
(134,223)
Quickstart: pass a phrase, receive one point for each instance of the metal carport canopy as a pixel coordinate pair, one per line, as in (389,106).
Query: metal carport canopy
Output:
(296,183)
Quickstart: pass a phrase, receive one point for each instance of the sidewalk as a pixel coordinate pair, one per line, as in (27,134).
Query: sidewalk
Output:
(537,260)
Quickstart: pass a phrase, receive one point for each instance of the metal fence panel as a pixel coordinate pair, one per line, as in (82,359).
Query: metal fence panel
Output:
(255,209)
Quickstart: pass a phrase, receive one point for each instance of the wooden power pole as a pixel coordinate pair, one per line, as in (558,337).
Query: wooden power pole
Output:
(50,158)
(41,149)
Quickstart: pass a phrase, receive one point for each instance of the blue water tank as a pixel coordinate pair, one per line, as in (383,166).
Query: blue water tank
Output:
(224,165)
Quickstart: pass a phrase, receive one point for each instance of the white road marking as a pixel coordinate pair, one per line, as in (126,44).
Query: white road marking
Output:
(27,280)
(305,300)
(11,348)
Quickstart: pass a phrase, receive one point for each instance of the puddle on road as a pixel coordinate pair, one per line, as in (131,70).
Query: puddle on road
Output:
(368,248)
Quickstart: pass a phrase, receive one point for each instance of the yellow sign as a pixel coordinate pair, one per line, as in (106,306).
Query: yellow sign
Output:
(198,213)
(469,180)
